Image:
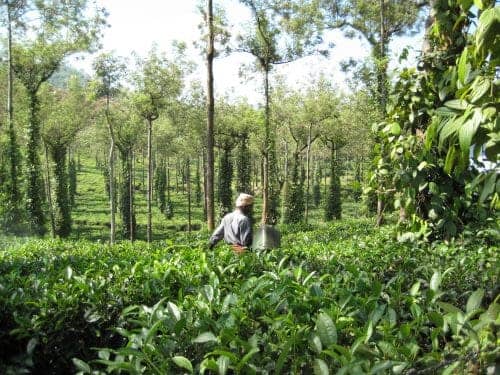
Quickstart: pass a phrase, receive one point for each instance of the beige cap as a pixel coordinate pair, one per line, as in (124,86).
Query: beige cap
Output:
(244,200)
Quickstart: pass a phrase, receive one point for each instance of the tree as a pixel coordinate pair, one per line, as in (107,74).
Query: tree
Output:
(276,39)
(215,25)
(377,21)
(159,83)
(109,70)
(62,28)
(14,10)
(63,114)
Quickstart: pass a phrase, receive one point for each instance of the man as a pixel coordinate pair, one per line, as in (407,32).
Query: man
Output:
(236,227)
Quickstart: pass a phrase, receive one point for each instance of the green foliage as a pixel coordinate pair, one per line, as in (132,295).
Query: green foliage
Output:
(441,122)
(345,296)
(243,166)
(161,186)
(333,202)
(225,177)
(294,198)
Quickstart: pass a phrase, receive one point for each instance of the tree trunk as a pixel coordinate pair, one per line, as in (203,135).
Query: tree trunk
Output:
(128,219)
(333,204)
(131,193)
(150,180)
(188,182)
(62,206)
(34,189)
(308,167)
(14,197)
(382,66)
(111,172)
(209,192)
(267,131)
(49,193)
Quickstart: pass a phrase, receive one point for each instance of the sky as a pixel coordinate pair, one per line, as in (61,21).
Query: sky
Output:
(136,26)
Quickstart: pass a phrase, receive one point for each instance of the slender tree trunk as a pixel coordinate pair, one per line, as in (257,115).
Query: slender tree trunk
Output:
(131,194)
(13,152)
(205,187)
(285,202)
(111,172)
(267,131)
(150,180)
(48,185)
(188,182)
(383,64)
(209,192)
(308,167)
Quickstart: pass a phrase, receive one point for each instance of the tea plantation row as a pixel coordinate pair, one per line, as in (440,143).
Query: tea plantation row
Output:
(346,299)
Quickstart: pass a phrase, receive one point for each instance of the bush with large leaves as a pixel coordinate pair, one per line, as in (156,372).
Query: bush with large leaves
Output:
(440,144)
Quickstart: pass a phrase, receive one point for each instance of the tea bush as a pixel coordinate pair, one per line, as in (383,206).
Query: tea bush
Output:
(344,299)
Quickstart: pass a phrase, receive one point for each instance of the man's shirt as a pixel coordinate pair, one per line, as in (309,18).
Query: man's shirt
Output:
(235,228)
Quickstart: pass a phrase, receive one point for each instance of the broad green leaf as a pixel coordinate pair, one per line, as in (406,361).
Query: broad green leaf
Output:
(480,87)
(223,364)
(381,367)
(326,329)
(205,337)
(465,4)
(489,186)
(415,288)
(174,311)
(69,272)
(449,308)
(451,126)
(466,133)
(242,363)
(486,31)
(369,332)
(229,300)
(435,281)
(308,277)
(183,362)
(480,4)
(474,301)
(395,128)
(81,366)
(208,293)
(450,159)
(320,367)
(315,343)
(462,68)
(458,104)
(208,364)
(219,352)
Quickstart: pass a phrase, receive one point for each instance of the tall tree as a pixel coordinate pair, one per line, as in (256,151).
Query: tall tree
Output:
(275,39)
(13,10)
(159,83)
(109,70)
(63,114)
(60,29)
(215,32)
(209,193)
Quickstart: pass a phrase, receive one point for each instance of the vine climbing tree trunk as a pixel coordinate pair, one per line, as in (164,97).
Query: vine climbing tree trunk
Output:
(150,181)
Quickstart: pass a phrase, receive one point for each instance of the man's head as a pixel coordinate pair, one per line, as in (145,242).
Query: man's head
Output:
(244,202)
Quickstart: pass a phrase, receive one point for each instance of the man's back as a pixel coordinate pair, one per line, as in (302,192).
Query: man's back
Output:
(235,228)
